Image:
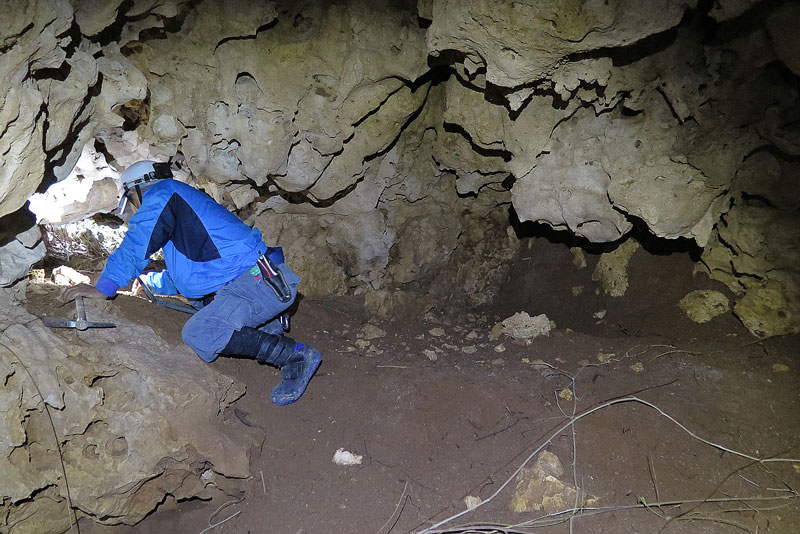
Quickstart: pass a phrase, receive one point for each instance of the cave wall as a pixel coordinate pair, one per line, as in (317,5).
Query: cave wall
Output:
(382,144)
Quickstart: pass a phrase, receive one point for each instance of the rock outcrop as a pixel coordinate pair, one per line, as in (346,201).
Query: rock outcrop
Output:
(346,131)
(100,421)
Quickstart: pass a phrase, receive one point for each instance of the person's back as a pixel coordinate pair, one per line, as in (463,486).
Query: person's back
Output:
(204,245)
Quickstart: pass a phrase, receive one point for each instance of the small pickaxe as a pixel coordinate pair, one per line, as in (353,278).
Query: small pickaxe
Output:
(166,303)
(80,321)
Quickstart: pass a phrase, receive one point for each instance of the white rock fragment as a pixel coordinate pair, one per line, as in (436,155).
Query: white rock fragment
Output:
(469,349)
(523,326)
(436,332)
(599,314)
(471,501)
(343,457)
(432,356)
(67,276)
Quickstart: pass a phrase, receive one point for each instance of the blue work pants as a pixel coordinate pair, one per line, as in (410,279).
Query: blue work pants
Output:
(244,301)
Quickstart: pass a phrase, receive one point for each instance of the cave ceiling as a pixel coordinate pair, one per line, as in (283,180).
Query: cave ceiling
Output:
(345,129)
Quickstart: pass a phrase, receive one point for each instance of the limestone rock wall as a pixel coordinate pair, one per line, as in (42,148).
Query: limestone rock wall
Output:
(372,139)
(57,89)
(605,115)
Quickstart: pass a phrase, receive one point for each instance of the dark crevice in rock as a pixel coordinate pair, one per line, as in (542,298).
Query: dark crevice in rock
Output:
(773,151)
(57,156)
(134,112)
(653,44)
(8,125)
(739,274)
(75,37)
(262,28)
(505,155)
(727,245)
(377,108)
(509,182)
(59,73)
(100,147)
(657,246)
(669,105)
(270,188)
(113,31)
(446,58)
(626,55)
(755,200)
(529,229)
(660,246)
(13,224)
(11,40)
(403,128)
(432,76)
(628,112)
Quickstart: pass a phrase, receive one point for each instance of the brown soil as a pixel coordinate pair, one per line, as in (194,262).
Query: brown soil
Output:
(434,431)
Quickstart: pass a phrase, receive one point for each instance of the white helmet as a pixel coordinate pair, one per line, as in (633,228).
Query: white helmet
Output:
(144,173)
(140,176)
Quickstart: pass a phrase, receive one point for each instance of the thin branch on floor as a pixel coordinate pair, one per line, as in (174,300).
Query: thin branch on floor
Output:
(398,511)
(222,507)
(572,420)
(555,518)
(215,525)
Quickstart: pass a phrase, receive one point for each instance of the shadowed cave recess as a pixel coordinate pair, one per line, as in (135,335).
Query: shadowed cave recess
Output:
(473,188)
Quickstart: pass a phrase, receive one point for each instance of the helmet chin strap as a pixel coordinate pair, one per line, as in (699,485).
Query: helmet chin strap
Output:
(126,208)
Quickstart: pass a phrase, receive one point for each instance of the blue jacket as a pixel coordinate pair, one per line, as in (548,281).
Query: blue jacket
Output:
(204,245)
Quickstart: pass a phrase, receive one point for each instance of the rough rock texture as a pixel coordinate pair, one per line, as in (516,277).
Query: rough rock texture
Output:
(702,305)
(19,254)
(375,140)
(653,125)
(540,487)
(523,326)
(612,269)
(522,42)
(126,431)
(92,188)
(57,90)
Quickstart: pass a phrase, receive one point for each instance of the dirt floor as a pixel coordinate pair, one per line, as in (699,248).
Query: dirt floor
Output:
(440,411)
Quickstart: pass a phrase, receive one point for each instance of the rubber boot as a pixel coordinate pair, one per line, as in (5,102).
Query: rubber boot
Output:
(297,362)
(296,373)
(262,346)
